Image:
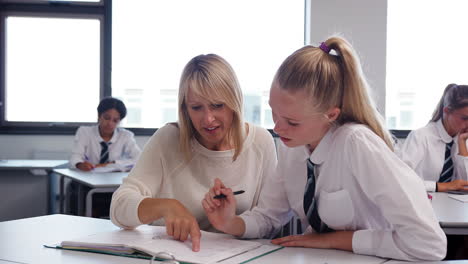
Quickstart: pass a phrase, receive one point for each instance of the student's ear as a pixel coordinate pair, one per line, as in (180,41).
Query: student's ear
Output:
(333,113)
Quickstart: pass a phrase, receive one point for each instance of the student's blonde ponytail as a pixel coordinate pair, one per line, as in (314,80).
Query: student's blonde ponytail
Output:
(333,80)
(356,104)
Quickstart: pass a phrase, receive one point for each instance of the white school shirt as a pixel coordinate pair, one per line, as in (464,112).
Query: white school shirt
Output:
(424,151)
(87,146)
(362,186)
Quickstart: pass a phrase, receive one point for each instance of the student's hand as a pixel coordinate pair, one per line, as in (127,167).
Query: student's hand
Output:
(456,185)
(103,164)
(220,212)
(337,240)
(180,223)
(462,150)
(85,166)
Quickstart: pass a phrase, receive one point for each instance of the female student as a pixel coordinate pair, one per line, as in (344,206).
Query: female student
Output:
(182,159)
(337,171)
(101,145)
(438,152)
(105,143)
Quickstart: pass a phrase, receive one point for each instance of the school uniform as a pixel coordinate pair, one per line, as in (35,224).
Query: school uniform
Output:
(361,185)
(424,151)
(122,147)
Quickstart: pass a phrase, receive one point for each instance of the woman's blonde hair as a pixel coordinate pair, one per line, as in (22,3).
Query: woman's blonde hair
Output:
(212,78)
(333,81)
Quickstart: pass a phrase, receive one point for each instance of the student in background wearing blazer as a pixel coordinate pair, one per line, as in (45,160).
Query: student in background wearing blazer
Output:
(336,168)
(438,151)
(102,145)
(181,160)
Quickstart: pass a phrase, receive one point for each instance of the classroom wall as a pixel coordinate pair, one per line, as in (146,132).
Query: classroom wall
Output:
(362,22)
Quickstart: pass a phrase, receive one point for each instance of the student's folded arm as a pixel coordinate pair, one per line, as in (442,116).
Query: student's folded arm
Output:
(79,148)
(131,153)
(413,152)
(461,166)
(399,193)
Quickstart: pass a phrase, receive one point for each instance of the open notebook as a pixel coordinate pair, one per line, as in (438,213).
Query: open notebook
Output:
(152,240)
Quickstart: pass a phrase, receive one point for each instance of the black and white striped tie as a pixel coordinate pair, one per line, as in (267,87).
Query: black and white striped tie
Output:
(447,170)
(310,205)
(104,152)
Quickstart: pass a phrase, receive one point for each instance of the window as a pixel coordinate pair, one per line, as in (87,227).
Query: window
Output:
(425,53)
(53,63)
(153,40)
(56,56)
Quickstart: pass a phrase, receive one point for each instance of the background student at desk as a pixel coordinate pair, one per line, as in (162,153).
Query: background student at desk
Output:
(104,144)
(438,151)
(181,160)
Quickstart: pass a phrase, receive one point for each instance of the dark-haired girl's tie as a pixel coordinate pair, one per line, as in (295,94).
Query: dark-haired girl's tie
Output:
(104,152)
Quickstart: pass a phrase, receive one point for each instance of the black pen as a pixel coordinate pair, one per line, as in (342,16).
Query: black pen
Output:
(221,196)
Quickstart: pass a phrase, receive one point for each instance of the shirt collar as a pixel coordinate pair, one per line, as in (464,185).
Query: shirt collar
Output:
(320,153)
(446,138)
(114,136)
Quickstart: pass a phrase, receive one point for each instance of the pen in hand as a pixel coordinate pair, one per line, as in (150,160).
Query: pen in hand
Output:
(221,196)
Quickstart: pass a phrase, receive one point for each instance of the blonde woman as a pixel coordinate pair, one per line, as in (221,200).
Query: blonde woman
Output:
(182,159)
(337,171)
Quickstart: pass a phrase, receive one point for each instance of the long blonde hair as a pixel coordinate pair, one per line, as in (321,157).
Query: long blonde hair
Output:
(333,81)
(211,77)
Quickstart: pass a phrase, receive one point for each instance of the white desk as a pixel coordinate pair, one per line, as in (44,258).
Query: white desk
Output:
(429,262)
(23,240)
(25,188)
(30,164)
(452,214)
(98,182)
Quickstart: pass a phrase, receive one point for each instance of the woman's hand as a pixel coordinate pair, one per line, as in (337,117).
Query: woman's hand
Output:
(85,166)
(222,212)
(456,185)
(180,223)
(337,240)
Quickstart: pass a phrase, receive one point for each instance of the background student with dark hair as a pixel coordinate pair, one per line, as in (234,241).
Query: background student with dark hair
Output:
(101,145)
(438,152)
(105,143)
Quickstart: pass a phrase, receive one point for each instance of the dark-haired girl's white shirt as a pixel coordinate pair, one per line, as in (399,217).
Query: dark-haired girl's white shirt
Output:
(424,151)
(361,186)
(123,149)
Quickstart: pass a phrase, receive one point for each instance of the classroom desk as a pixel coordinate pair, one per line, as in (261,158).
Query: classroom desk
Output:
(429,262)
(22,241)
(102,182)
(26,187)
(452,214)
